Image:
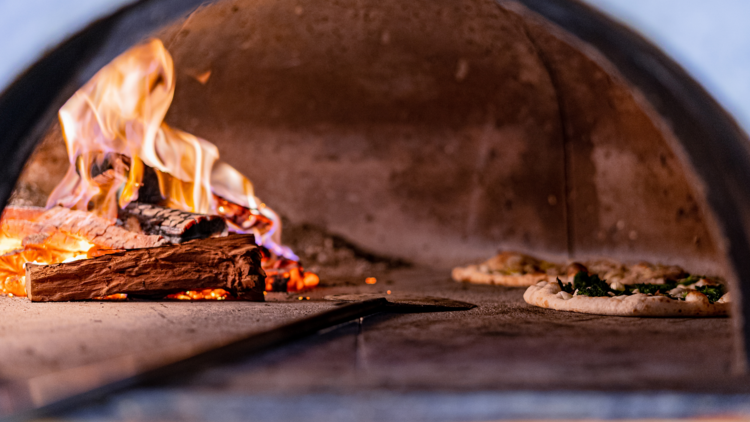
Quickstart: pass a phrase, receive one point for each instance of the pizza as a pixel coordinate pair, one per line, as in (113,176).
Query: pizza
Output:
(642,272)
(509,269)
(604,287)
(515,269)
(689,296)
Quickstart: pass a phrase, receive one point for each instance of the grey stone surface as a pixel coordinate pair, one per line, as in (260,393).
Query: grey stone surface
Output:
(39,338)
(502,346)
(503,359)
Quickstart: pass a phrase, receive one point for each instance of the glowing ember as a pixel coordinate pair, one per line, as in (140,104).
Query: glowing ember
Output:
(12,272)
(371,280)
(26,238)
(8,244)
(114,132)
(205,294)
(117,296)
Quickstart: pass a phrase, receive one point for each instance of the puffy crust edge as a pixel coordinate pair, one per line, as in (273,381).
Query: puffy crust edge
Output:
(473,275)
(545,295)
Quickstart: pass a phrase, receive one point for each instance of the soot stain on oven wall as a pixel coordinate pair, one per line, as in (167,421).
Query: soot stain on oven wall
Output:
(628,192)
(447,144)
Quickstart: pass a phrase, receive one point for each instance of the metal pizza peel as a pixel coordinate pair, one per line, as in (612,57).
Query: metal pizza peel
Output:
(407,303)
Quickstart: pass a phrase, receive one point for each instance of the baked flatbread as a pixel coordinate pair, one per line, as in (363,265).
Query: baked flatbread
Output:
(508,269)
(514,269)
(689,297)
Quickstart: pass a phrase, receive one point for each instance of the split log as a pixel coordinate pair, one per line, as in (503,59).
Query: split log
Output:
(174,225)
(22,213)
(231,263)
(18,222)
(20,229)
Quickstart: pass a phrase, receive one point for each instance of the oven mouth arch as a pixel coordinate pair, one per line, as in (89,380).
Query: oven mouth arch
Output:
(713,144)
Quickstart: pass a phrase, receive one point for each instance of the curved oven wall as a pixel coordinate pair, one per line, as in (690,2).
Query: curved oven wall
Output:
(432,132)
(439,132)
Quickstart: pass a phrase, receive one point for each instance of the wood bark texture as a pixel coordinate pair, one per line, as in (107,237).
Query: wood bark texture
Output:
(174,225)
(25,221)
(231,263)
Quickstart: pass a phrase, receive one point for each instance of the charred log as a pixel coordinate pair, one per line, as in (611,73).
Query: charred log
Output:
(174,225)
(21,213)
(277,283)
(231,263)
(26,221)
(20,229)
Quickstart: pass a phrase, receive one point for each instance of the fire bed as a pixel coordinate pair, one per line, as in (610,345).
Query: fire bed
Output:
(397,140)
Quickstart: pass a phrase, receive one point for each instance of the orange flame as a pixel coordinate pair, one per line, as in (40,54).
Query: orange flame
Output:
(116,120)
(119,112)
(113,128)
(15,252)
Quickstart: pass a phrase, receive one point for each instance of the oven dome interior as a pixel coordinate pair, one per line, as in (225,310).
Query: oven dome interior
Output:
(436,133)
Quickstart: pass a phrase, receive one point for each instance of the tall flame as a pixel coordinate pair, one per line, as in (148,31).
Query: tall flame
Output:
(119,112)
(113,127)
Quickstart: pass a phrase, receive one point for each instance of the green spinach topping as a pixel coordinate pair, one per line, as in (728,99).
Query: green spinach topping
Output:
(691,279)
(587,285)
(591,285)
(651,289)
(567,287)
(713,293)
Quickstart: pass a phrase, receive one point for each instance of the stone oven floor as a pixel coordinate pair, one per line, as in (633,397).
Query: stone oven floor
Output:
(503,354)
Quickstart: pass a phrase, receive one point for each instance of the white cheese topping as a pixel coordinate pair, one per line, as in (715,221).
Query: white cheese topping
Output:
(678,292)
(564,295)
(704,282)
(696,296)
(725,299)
(616,285)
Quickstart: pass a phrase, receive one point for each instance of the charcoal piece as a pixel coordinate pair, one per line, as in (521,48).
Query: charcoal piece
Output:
(279,283)
(174,225)
(149,192)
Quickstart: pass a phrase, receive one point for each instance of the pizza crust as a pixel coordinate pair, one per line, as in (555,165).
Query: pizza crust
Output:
(473,274)
(515,269)
(508,268)
(549,295)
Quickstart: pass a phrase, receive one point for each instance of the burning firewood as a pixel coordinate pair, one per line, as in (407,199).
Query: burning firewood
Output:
(175,225)
(163,184)
(21,213)
(30,234)
(231,263)
(21,222)
(96,230)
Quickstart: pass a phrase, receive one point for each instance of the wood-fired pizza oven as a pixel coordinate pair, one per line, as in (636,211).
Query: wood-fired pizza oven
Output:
(427,134)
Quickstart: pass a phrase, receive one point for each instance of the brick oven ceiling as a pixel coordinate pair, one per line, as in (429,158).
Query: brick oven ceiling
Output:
(496,91)
(436,132)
